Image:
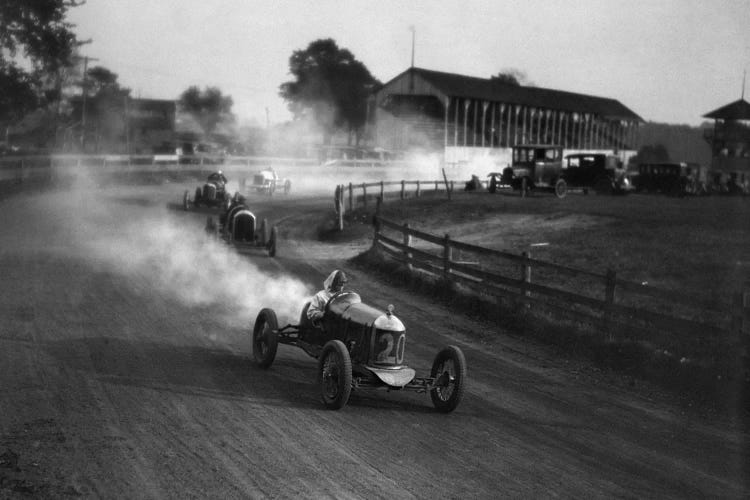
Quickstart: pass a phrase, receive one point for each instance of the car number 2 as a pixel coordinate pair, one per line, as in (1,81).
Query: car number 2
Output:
(393,351)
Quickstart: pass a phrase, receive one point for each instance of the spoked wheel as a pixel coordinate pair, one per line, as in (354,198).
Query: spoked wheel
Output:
(449,374)
(186,200)
(265,339)
(561,188)
(272,242)
(335,375)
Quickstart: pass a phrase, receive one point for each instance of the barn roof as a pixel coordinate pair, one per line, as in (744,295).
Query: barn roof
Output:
(454,85)
(737,110)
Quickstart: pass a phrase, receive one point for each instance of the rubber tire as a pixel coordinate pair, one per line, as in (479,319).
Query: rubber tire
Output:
(186,200)
(265,338)
(272,242)
(197,198)
(447,401)
(336,385)
(287,187)
(561,188)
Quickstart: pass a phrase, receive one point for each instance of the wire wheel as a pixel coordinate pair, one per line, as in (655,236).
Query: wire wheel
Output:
(335,375)
(449,375)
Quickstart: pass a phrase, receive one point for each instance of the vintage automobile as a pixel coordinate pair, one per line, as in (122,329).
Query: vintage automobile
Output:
(213,193)
(536,167)
(239,227)
(603,173)
(268,181)
(359,347)
(670,178)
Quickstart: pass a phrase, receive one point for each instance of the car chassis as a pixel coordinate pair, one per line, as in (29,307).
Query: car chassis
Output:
(360,347)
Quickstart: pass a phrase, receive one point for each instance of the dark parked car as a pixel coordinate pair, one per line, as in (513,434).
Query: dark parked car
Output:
(536,167)
(671,178)
(600,172)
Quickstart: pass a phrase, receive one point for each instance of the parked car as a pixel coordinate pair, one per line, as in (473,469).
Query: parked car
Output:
(671,178)
(600,172)
(536,167)
(359,347)
(268,181)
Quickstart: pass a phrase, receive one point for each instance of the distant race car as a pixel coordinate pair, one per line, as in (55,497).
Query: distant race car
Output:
(212,194)
(268,181)
(239,227)
(360,347)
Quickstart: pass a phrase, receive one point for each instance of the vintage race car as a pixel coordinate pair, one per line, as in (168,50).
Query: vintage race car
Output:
(268,181)
(360,347)
(211,194)
(239,227)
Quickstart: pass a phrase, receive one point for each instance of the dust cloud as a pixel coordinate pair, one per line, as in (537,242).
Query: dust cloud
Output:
(130,231)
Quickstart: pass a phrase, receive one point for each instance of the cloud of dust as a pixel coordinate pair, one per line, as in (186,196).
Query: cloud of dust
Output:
(130,231)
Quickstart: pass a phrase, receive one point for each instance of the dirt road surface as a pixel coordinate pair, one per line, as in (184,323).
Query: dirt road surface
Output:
(126,372)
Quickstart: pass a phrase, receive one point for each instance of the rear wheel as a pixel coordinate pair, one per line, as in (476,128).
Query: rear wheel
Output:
(335,375)
(449,374)
(561,188)
(265,338)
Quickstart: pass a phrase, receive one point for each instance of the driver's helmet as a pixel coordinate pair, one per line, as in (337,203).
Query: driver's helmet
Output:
(335,281)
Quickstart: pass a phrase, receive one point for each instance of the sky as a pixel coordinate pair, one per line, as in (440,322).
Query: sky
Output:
(670,61)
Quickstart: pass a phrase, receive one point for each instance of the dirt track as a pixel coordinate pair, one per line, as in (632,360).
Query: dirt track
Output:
(125,371)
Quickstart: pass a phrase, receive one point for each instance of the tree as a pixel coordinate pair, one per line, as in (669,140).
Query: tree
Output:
(649,153)
(330,85)
(106,105)
(209,107)
(511,76)
(37,33)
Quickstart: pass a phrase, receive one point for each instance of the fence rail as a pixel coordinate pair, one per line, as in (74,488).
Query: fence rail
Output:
(640,312)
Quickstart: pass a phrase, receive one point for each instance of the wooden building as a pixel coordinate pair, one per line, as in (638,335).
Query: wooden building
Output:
(467,117)
(730,141)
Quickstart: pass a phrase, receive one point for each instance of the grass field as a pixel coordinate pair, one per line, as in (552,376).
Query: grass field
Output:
(698,246)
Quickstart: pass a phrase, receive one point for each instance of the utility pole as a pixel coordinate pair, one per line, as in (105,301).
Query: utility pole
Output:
(84,88)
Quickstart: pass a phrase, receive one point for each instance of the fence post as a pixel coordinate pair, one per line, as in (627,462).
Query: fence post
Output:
(378,204)
(417,195)
(403,187)
(525,277)
(447,254)
(407,242)
(375,231)
(364,195)
(340,206)
(524,186)
(381,190)
(351,197)
(609,298)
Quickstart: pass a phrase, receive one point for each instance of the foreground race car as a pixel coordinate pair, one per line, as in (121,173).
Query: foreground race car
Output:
(360,347)
(239,227)
(268,182)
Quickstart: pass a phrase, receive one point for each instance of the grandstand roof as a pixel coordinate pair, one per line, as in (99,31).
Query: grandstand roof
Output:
(737,110)
(455,85)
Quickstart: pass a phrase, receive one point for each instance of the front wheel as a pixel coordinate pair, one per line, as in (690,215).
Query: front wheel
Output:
(449,374)
(335,375)
(265,338)
(561,188)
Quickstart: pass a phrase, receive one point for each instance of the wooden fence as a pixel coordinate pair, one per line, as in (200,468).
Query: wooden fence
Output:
(667,319)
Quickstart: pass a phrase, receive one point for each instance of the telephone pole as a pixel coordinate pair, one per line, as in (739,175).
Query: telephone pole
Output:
(84,88)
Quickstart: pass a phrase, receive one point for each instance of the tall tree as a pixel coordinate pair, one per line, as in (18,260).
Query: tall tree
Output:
(209,107)
(330,85)
(106,105)
(511,76)
(37,33)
